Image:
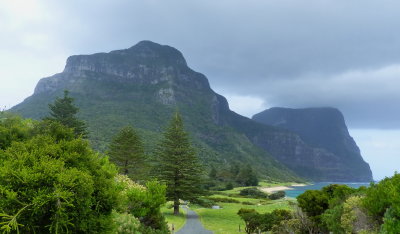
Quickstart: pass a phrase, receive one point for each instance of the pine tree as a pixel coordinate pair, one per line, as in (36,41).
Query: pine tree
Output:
(247,177)
(64,111)
(127,151)
(178,165)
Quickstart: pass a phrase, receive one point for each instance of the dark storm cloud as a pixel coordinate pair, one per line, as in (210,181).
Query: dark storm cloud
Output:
(288,52)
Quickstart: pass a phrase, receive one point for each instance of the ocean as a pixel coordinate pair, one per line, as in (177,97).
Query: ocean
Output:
(316,186)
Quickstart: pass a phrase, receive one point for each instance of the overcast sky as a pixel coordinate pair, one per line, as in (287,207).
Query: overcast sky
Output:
(257,53)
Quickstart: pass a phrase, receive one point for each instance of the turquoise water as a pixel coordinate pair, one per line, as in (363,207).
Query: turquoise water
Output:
(316,186)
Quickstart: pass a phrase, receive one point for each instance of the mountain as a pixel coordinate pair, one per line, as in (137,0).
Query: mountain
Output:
(143,85)
(325,130)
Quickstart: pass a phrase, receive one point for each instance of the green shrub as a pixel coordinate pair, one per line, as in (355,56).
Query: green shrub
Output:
(247,203)
(55,185)
(204,202)
(253,192)
(143,202)
(223,199)
(263,222)
(277,195)
(229,186)
(125,223)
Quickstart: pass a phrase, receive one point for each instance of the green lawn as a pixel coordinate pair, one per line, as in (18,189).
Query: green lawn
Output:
(177,220)
(226,220)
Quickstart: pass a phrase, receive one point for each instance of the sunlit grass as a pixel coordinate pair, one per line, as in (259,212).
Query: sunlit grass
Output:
(226,220)
(177,220)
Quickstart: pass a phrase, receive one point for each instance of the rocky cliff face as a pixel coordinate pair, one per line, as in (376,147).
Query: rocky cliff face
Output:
(145,84)
(329,152)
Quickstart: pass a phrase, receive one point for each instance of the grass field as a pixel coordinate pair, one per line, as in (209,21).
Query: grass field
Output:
(226,220)
(178,221)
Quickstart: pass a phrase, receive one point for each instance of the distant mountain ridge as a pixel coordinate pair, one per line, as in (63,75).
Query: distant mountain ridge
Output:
(145,84)
(322,128)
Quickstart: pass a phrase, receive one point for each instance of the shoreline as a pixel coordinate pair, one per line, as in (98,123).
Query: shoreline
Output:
(280,188)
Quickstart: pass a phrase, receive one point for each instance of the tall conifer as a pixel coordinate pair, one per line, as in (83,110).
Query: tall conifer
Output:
(178,165)
(127,151)
(64,111)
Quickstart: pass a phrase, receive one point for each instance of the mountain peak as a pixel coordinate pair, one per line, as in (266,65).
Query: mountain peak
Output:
(144,53)
(147,44)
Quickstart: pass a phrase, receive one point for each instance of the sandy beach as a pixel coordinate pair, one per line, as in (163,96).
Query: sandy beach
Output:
(279,188)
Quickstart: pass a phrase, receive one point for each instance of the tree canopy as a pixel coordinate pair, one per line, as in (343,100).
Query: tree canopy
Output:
(52,182)
(64,111)
(126,150)
(178,165)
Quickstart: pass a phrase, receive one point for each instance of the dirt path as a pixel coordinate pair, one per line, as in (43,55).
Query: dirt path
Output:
(193,224)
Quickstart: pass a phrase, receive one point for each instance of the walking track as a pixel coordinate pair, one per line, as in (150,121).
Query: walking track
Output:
(193,224)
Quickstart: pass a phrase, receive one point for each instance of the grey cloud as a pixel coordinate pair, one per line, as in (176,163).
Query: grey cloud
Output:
(284,51)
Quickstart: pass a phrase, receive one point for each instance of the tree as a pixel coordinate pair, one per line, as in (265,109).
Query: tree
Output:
(247,177)
(54,183)
(178,165)
(213,173)
(63,110)
(127,151)
(314,203)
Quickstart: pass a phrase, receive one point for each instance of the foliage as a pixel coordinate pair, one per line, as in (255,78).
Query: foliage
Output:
(13,128)
(263,222)
(391,222)
(277,195)
(355,218)
(143,202)
(251,219)
(314,203)
(204,202)
(223,199)
(331,218)
(178,165)
(247,176)
(125,223)
(126,150)
(253,192)
(382,202)
(50,183)
(63,110)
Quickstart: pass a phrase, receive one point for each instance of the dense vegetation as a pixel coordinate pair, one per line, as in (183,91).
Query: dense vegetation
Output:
(51,181)
(335,209)
(126,150)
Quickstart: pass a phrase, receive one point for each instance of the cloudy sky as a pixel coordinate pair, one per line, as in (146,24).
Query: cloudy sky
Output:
(257,53)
